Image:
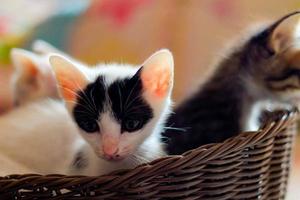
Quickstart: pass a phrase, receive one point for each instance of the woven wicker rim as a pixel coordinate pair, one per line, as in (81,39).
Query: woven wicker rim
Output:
(158,167)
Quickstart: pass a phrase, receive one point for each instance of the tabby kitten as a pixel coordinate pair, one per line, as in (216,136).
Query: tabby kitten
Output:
(264,68)
(118,109)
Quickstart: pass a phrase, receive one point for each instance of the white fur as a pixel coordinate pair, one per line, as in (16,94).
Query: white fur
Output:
(40,136)
(260,99)
(10,166)
(27,87)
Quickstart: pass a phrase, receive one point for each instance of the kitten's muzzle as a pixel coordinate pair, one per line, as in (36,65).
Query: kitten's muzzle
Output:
(110,147)
(111,154)
(116,157)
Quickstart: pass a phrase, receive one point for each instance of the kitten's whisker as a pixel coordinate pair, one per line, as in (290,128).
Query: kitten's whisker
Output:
(73,92)
(140,159)
(69,90)
(93,99)
(174,128)
(136,107)
(87,100)
(130,93)
(134,161)
(132,101)
(120,99)
(90,110)
(88,114)
(87,109)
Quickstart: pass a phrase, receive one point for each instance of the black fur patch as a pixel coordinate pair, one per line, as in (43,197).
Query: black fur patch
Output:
(90,103)
(124,97)
(127,101)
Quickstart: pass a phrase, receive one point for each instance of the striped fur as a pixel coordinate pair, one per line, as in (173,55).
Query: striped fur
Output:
(263,68)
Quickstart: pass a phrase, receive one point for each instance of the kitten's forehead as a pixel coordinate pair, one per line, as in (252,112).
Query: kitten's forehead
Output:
(116,90)
(113,72)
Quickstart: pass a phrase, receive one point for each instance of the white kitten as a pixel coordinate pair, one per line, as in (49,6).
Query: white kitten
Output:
(9,166)
(39,135)
(33,78)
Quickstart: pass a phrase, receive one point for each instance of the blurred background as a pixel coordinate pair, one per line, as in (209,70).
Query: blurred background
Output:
(130,30)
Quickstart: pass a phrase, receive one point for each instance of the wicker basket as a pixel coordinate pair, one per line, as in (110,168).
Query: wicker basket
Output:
(253,165)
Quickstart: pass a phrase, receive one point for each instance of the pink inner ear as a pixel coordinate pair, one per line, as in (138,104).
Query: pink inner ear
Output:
(157,81)
(30,67)
(69,85)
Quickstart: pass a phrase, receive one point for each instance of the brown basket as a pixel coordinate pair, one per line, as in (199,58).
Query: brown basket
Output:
(253,165)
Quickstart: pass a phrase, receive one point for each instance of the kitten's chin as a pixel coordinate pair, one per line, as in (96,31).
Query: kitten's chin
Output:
(110,158)
(114,159)
(291,97)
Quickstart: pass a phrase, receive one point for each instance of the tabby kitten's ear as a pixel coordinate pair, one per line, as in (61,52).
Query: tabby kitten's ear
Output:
(32,78)
(157,74)
(70,79)
(285,37)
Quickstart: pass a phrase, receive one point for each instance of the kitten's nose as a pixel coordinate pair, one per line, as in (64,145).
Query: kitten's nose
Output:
(111,153)
(110,146)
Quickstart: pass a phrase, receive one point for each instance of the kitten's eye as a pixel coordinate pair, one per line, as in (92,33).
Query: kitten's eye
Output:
(132,125)
(89,126)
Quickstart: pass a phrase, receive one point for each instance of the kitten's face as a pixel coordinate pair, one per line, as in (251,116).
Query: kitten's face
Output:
(274,56)
(117,107)
(32,78)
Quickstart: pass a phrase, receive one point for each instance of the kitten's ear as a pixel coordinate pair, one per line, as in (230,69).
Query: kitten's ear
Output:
(285,33)
(70,78)
(32,77)
(43,47)
(25,63)
(157,74)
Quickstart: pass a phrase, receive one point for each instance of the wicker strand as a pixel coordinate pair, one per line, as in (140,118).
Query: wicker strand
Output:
(253,165)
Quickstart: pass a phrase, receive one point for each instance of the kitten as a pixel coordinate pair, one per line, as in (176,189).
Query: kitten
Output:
(37,122)
(33,78)
(264,69)
(119,109)
(33,135)
(9,166)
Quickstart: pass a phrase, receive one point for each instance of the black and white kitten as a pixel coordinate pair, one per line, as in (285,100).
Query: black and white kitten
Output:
(264,69)
(120,110)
